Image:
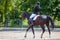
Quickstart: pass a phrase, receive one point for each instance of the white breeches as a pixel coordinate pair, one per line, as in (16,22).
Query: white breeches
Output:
(35,16)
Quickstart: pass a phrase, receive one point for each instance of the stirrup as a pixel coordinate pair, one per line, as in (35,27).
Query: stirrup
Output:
(33,21)
(31,24)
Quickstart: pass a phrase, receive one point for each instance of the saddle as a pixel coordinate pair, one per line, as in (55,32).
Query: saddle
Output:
(42,17)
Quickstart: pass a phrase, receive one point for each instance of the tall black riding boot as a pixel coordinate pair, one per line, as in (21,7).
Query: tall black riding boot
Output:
(32,23)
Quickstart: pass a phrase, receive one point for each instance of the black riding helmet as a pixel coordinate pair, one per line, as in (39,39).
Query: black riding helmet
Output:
(38,3)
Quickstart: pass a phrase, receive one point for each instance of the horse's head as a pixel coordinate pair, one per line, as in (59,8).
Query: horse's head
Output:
(25,15)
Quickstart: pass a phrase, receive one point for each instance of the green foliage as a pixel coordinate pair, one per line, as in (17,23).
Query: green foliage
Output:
(12,9)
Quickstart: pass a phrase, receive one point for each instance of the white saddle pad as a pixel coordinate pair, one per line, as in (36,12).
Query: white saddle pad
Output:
(44,16)
(35,17)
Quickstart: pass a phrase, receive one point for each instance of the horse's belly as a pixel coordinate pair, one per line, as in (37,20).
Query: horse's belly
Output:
(36,23)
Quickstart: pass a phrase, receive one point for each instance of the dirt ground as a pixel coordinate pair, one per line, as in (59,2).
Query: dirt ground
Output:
(19,35)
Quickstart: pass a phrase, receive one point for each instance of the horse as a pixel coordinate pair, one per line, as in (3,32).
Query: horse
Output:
(38,21)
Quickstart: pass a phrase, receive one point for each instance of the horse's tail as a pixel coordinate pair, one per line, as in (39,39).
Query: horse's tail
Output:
(50,19)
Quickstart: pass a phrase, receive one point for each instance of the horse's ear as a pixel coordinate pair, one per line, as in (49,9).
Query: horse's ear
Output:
(23,12)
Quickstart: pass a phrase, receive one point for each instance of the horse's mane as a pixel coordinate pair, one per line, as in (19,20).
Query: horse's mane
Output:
(27,13)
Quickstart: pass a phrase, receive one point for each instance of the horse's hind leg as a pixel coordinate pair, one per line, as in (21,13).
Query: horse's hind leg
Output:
(27,31)
(33,31)
(43,31)
(48,29)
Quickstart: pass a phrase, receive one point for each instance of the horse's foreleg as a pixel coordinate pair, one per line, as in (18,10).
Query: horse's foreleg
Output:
(26,31)
(43,31)
(33,31)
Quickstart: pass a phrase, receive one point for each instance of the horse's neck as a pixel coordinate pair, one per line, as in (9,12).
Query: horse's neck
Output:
(28,16)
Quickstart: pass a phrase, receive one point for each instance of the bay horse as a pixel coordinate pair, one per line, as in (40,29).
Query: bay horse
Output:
(38,22)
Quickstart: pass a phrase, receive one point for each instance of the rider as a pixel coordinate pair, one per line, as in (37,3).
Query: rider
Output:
(35,12)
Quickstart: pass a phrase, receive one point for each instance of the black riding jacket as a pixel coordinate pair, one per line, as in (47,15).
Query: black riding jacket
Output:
(36,10)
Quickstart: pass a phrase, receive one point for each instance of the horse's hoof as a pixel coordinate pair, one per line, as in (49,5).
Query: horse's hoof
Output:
(34,37)
(41,36)
(25,36)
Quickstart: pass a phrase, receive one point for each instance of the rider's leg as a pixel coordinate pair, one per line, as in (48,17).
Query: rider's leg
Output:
(34,19)
(33,15)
